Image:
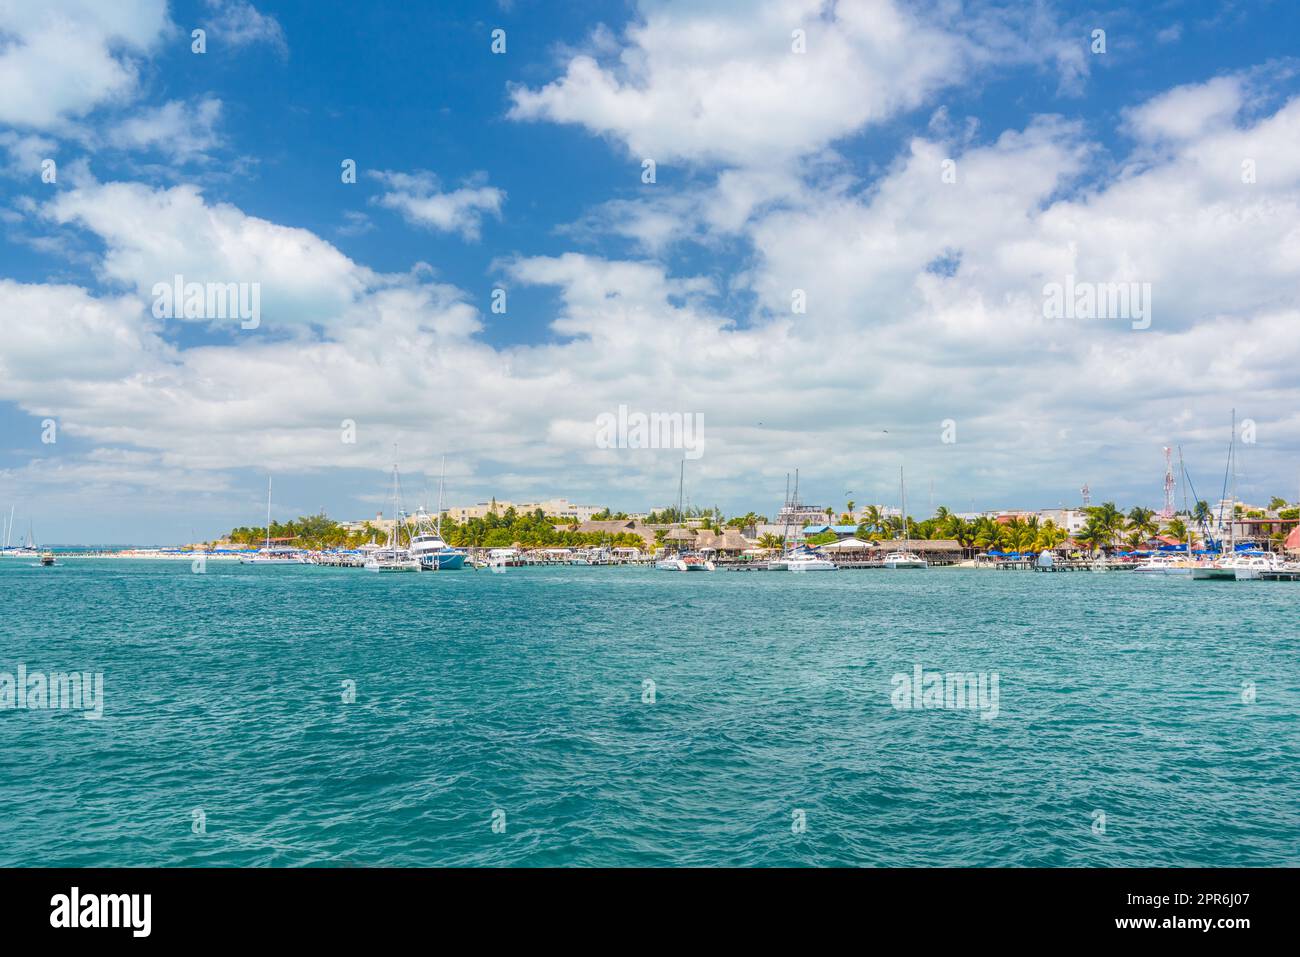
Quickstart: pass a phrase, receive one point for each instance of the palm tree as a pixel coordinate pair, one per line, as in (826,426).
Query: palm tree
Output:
(987,533)
(1049,536)
(1107,522)
(873,519)
(1178,529)
(769,541)
(1143,522)
(1093,536)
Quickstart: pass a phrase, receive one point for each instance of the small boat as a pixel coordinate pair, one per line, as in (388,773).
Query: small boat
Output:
(47,558)
(391,560)
(695,563)
(905,559)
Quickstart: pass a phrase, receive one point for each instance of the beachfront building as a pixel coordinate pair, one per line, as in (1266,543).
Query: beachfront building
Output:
(841,531)
(796,515)
(551,507)
(793,533)
(728,543)
(378,523)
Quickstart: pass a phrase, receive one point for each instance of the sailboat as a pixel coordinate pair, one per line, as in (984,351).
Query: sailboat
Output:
(393,557)
(273,554)
(427,545)
(683,561)
(1232,566)
(28,548)
(902,558)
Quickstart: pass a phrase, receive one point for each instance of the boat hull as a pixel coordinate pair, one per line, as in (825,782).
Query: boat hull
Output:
(388,568)
(1214,574)
(442,561)
(816,565)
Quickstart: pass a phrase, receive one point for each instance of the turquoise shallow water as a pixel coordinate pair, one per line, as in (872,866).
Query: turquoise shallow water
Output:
(522,692)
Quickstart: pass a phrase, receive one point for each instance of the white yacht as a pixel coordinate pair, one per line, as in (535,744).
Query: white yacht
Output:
(1165,564)
(1239,567)
(427,545)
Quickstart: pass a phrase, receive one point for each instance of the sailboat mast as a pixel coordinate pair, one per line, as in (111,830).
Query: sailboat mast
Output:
(442,475)
(902,504)
(785,525)
(681,484)
(1182,470)
(1232,503)
(268,511)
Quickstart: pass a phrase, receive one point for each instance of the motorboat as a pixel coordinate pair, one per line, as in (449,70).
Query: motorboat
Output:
(391,560)
(428,548)
(427,545)
(904,559)
(1239,567)
(1166,564)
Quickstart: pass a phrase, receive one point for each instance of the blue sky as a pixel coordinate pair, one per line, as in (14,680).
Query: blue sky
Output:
(776,170)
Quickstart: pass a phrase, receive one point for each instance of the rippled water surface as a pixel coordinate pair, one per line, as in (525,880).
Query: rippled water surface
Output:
(523,693)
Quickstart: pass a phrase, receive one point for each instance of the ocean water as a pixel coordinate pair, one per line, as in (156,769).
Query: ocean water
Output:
(520,700)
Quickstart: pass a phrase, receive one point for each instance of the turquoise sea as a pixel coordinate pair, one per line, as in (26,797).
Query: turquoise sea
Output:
(520,700)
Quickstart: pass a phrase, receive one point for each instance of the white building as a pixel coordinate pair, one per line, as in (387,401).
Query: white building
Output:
(553,507)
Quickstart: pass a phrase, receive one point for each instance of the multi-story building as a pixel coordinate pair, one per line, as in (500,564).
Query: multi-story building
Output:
(553,507)
(796,515)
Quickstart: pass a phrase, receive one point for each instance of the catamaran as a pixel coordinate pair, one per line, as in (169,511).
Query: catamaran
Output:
(805,560)
(901,557)
(683,561)
(273,554)
(1236,566)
